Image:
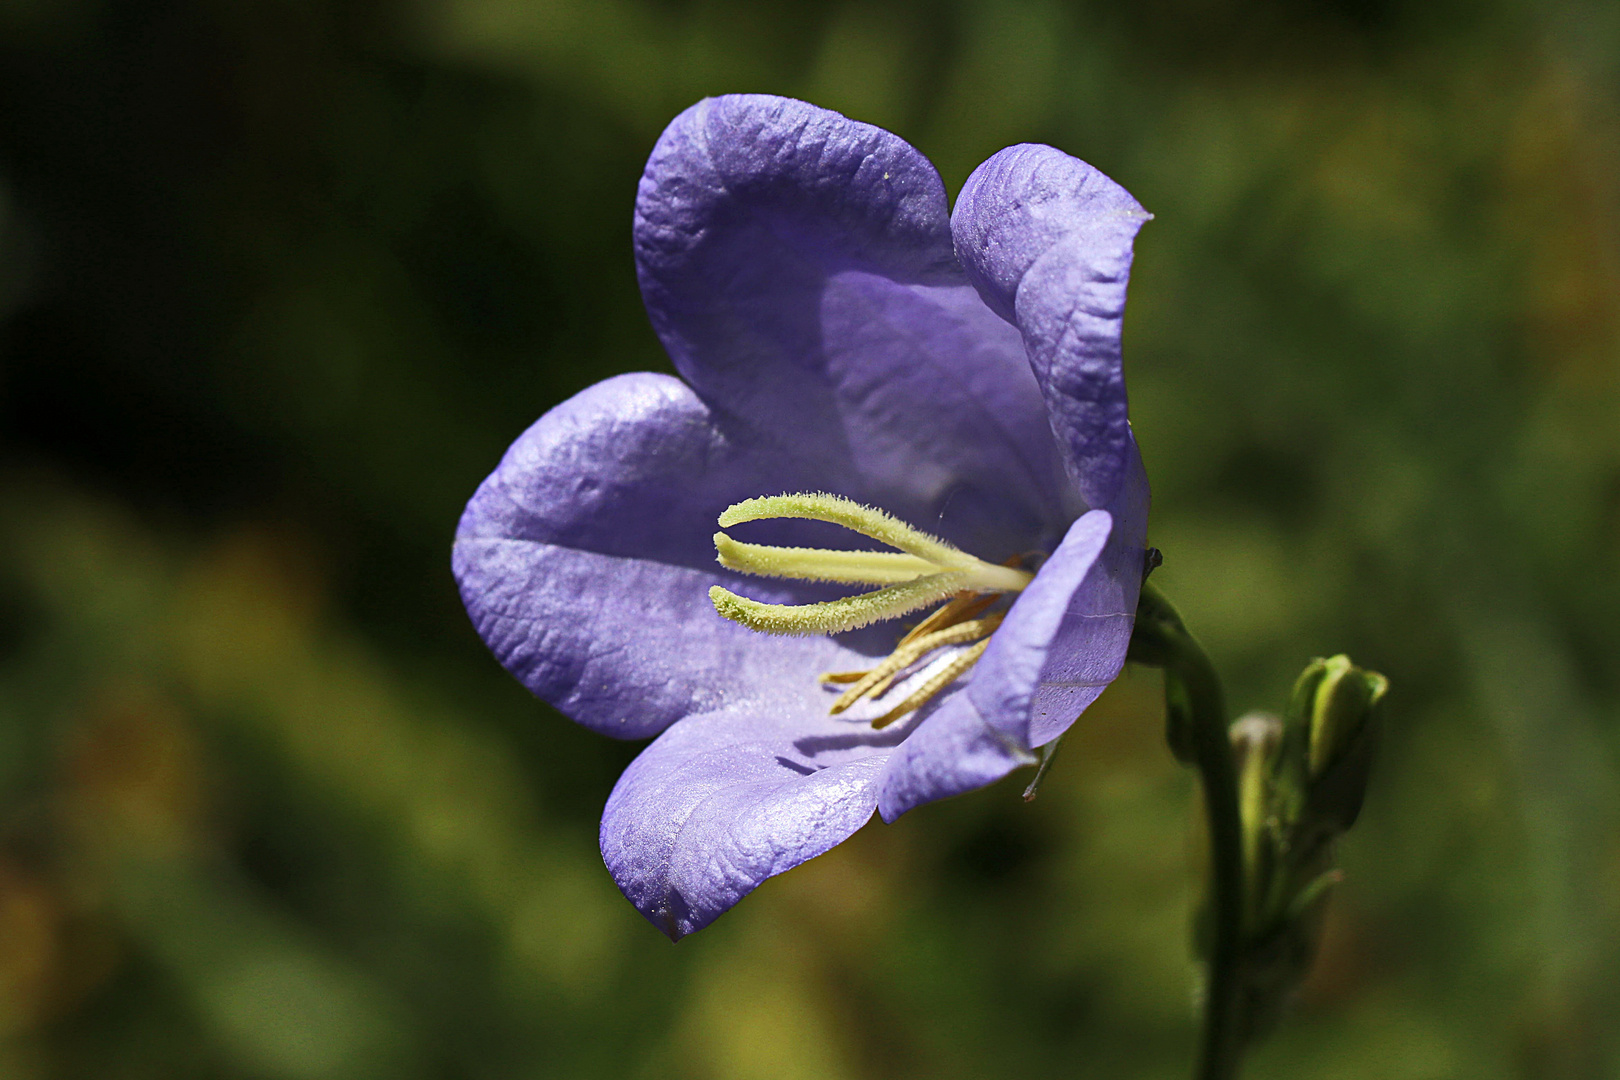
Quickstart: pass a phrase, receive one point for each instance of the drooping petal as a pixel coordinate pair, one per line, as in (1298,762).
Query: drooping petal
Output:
(1046,239)
(1089,648)
(722,801)
(984,732)
(798,267)
(586,558)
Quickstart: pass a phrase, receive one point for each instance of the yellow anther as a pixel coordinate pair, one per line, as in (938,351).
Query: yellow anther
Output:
(881,677)
(937,682)
(966,606)
(840,676)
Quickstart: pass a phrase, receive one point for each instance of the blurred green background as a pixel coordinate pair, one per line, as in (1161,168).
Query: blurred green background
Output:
(280,279)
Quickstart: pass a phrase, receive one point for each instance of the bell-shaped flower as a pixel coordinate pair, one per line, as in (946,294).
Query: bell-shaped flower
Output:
(948,385)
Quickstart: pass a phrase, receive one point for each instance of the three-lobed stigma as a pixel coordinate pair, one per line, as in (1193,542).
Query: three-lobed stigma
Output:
(923,571)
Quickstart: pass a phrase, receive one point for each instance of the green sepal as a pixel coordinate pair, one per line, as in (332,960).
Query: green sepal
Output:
(1156,640)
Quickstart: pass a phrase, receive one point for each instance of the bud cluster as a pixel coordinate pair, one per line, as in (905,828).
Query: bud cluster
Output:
(1301,780)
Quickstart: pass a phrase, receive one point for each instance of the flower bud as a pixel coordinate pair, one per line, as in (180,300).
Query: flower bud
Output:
(1340,705)
(1300,783)
(1256,739)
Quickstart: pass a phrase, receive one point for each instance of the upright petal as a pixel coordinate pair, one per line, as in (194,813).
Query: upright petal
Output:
(585,561)
(1046,239)
(798,267)
(984,732)
(722,801)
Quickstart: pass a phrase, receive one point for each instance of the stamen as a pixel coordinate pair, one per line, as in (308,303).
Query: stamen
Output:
(965,606)
(840,676)
(836,616)
(879,678)
(820,564)
(922,571)
(940,680)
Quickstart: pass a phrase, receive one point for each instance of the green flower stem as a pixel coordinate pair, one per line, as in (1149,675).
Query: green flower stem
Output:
(1197,730)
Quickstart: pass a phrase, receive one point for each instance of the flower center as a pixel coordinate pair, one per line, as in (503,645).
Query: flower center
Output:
(923,571)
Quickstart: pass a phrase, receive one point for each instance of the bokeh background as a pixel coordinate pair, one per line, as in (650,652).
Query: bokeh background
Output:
(280,279)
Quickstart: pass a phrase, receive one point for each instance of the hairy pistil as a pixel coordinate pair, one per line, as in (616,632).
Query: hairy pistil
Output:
(922,571)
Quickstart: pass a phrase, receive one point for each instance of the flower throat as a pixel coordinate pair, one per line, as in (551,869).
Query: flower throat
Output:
(923,571)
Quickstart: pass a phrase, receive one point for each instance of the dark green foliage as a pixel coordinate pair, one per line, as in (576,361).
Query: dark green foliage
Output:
(281,280)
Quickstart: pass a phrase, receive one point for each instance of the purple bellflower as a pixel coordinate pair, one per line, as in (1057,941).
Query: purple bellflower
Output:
(837,331)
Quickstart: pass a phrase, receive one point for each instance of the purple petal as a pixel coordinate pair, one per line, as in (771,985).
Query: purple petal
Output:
(720,802)
(1046,239)
(585,561)
(1089,648)
(983,733)
(799,269)
(956,749)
